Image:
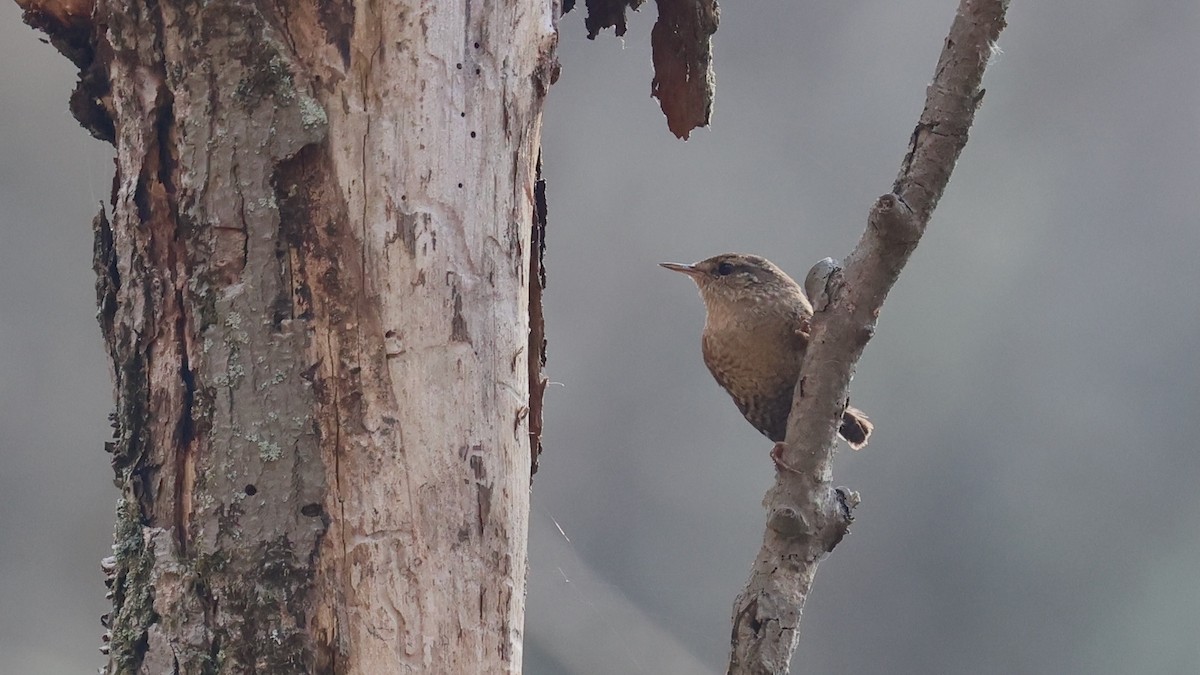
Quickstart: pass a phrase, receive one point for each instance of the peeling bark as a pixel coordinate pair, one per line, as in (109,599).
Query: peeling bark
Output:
(684,82)
(537,321)
(315,292)
(603,14)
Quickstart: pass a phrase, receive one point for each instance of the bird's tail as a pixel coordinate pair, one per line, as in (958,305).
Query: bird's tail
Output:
(856,428)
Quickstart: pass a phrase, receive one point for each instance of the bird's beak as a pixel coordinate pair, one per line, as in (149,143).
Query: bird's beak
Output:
(689,270)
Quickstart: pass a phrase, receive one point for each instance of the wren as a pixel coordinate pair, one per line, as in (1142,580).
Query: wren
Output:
(755,334)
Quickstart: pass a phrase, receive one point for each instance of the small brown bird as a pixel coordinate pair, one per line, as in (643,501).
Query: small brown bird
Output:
(755,334)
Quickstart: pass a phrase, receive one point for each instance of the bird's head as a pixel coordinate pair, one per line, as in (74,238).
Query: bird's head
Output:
(739,279)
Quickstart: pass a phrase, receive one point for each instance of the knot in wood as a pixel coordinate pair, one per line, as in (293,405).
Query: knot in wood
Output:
(894,220)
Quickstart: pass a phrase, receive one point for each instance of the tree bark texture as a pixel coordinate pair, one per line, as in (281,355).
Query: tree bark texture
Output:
(807,516)
(315,288)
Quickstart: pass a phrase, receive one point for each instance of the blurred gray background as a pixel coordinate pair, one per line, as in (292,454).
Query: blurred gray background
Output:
(1029,499)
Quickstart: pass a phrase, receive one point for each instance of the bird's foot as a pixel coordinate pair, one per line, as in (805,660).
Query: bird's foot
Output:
(803,332)
(777,457)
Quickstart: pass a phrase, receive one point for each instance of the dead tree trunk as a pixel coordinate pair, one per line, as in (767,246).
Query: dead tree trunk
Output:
(315,286)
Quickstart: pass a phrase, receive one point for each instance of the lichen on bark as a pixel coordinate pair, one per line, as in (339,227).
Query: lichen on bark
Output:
(214,446)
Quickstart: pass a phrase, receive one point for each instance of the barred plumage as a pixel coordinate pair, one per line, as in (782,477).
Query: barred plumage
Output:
(755,334)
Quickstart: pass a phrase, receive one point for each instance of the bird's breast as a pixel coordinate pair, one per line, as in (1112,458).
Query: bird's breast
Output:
(752,359)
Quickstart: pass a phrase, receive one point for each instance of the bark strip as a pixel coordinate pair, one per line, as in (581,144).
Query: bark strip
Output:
(537,319)
(684,82)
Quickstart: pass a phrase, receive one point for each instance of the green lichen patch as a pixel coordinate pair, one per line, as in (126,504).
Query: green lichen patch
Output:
(132,590)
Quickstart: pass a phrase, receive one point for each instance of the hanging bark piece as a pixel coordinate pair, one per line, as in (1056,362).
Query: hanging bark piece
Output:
(603,14)
(684,83)
(681,41)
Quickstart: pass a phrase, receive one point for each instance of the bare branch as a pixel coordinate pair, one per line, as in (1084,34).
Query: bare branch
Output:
(807,516)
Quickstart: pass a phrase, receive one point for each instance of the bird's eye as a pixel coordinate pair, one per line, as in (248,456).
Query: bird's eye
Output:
(724,269)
